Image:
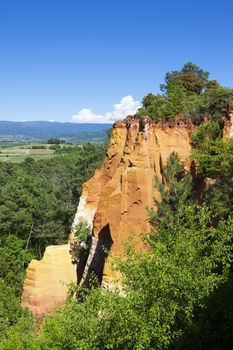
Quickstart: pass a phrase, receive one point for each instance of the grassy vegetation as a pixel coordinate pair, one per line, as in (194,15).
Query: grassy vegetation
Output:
(19,153)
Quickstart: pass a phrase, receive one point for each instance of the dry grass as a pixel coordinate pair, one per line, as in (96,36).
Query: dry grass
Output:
(18,154)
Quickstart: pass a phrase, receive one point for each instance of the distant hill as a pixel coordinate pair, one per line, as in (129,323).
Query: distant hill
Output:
(42,130)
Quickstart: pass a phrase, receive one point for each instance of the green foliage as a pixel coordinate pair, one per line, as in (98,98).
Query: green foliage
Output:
(169,293)
(215,102)
(38,199)
(55,141)
(55,147)
(16,324)
(215,163)
(9,308)
(149,99)
(205,134)
(173,279)
(66,149)
(193,68)
(82,231)
(162,290)
(157,109)
(188,94)
(37,204)
(212,326)
(103,321)
(166,291)
(14,258)
(38,147)
(191,79)
(215,159)
(175,191)
(21,335)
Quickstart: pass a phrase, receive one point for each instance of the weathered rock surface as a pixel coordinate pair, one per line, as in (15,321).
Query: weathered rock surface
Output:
(46,283)
(45,286)
(136,155)
(114,203)
(228,127)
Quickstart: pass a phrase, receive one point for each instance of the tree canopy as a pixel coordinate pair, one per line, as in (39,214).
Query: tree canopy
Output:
(188,93)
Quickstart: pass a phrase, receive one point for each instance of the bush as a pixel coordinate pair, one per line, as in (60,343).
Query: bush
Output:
(82,231)
(55,141)
(205,134)
(38,147)
(14,258)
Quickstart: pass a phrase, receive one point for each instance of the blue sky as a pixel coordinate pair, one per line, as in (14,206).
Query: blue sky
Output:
(60,57)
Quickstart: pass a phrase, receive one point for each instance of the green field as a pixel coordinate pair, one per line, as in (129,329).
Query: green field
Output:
(18,154)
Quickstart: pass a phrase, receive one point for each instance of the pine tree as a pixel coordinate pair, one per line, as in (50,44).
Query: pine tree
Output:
(175,191)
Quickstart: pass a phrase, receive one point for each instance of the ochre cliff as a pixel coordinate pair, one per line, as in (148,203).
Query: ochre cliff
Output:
(45,286)
(136,155)
(114,202)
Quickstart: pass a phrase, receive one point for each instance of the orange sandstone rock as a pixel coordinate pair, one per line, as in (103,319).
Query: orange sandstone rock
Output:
(114,202)
(228,127)
(46,282)
(137,153)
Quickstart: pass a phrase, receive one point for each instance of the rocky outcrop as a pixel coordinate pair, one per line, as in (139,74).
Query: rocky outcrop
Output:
(46,282)
(136,155)
(228,127)
(114,202)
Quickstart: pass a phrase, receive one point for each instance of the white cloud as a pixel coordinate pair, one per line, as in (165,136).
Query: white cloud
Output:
(127,106)
(87,116)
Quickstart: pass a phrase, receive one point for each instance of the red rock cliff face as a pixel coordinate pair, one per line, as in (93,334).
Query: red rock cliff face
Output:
(114,202)
(136,155)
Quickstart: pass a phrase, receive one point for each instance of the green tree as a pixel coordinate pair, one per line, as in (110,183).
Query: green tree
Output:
(175,191)
(21,335)
(149,99)
(193,68)
(205,135)
(188,93)
(38,199)
(191,78)
(9,308)
(214,165)
(162,290)
(14,258)
(55,141)
(216,102)
(16,324)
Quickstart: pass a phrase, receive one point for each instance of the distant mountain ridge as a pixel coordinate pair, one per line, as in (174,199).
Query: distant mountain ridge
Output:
(45,129)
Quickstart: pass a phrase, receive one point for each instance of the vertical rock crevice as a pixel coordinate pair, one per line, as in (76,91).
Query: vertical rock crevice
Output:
(144,148)
(114,203)
(102,250)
